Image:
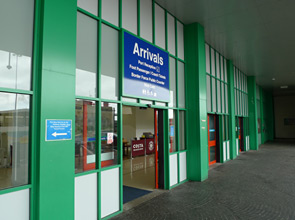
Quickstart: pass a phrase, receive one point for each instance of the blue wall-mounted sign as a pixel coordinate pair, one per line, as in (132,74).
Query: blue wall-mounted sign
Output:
(146,70)
(58,130)
(171,130)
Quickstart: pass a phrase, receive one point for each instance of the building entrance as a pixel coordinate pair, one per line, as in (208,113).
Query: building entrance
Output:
(240,134)
(142,151)
(212,149)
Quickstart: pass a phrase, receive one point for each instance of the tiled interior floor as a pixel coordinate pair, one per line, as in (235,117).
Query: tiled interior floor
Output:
(139,172)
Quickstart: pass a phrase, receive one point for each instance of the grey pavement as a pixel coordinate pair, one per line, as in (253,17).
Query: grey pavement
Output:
(256,185)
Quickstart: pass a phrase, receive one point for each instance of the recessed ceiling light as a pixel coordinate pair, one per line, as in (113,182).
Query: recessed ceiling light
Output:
(284,87)
(273,78)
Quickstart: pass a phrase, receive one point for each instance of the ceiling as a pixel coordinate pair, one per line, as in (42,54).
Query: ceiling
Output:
(257,35)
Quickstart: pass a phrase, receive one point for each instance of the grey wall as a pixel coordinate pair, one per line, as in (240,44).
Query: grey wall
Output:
(284,108)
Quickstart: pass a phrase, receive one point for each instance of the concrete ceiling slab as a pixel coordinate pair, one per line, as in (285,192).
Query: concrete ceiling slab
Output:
(257,35)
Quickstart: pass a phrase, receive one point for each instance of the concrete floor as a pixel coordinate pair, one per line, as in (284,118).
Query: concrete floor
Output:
(257,185)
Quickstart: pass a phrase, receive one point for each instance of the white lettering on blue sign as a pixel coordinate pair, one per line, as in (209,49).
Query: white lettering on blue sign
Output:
(146,70)
(146,54)
(58,130)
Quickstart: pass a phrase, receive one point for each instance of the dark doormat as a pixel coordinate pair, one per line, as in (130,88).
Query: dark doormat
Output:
(130,193)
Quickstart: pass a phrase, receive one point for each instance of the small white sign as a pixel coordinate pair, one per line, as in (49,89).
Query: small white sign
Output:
(110,138)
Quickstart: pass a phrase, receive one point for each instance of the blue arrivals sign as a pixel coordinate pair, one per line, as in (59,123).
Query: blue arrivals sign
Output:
(57,130)
(146,70)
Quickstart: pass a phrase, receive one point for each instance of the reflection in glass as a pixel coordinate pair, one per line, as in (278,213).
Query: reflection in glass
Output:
(86,56)
(212,127)
(85,139)
(182,130)
(212,153)
(109,63)
(15,70)
(14,139)
(16,43)
(109,134)
(172,129)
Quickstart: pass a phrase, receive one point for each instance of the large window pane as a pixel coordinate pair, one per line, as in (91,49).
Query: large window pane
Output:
(207,58)
(89,5)
(235,77)
(221,68)
(182,130)
(226,99)
(218,97)
(222,97)
(181,85)
(217,66)
(110,11)
(180,40)
(213,95)
(172,69)
(225,70)
(109,134)
(171,33)
(129,15)
(146,20)
(85,136)
(16,43)
(212,62)
(109,63)
(172,129)
(208,94)
(86,70)
(14,139)
(160,26)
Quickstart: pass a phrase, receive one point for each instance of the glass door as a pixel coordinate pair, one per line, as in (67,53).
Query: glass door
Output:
(212,139)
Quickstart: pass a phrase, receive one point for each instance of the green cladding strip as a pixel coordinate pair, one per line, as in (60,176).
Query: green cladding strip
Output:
(253,129)
(195,74)
(231,106)
(55,166)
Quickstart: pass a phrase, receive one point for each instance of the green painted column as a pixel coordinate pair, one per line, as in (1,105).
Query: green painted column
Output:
(55,99)
(253,127)
(195,73)
(231,107)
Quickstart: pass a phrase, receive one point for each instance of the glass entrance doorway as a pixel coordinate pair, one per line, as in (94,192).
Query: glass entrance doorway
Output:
(240,133)
(212,150)
(141,151)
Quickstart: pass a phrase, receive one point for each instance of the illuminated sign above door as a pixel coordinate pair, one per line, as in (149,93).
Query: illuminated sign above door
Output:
(146,70)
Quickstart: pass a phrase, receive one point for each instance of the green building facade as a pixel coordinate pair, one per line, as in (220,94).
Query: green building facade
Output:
(65,58)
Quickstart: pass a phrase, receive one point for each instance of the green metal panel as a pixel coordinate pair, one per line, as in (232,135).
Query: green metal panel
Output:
(253,128)
(56,100)
(231,107)
(196,102)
